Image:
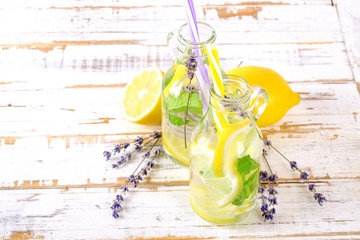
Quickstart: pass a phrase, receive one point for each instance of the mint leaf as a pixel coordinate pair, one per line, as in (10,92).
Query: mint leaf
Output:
(245,166)
(168,76)
(178,104)
(178,121)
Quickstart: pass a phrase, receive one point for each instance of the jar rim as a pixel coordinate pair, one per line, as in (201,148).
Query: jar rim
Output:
(238,83)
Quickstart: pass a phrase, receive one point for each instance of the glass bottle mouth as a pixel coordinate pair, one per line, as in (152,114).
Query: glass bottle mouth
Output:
(237,96)
(206,33)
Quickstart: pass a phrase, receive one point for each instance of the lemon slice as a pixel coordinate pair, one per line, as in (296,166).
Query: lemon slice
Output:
(228,181)
(223,190)
(202,156)
(180,73)
(228,148)
(206,208)
(175,147)
(141,101)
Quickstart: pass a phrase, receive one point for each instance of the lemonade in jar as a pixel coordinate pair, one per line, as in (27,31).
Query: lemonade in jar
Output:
(225,153)
(185,90)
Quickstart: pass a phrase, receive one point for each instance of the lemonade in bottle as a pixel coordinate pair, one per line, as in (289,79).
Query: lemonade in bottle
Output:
(184,95)
(225,153)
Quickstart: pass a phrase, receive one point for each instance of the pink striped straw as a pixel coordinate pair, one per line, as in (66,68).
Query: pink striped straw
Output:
(204,81)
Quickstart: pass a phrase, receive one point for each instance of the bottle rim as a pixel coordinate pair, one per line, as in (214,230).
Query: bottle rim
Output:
(207,30)
(231,105)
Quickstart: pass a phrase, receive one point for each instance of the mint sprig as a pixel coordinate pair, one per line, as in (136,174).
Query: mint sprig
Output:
(249,170)
(179,104)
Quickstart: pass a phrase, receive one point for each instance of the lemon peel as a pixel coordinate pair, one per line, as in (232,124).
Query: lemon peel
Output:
(280,96)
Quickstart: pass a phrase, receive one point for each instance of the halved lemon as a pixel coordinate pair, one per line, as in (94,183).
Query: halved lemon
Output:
(141,101)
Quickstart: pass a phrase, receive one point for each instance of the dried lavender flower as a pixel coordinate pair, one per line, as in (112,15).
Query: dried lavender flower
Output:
(189,88)
(320,198)
(244,114)
(268,203)
(191,65)
(134,180)
(138,147)
(267,142)
(107,155)
(139,140)
(263,175)
(157,134)
(136,176)
(303,175)
(139,143)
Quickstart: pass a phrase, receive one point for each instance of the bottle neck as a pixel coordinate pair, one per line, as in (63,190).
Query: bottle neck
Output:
(186,47)
(236,100)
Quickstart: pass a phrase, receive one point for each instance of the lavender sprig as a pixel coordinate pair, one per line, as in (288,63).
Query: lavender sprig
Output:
(303,175)
(135,178)
(139,143)
(268,203)
(191,65)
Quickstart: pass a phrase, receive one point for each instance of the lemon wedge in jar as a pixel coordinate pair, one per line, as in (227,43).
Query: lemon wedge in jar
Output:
(229,148)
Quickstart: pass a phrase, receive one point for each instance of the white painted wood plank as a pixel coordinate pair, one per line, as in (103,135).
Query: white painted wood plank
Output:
(295,62)
(164,213)
(77,104)
(57,23)
(350,21)
(325,146)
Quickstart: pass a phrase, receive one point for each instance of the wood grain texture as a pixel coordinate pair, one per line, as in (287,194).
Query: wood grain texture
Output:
(349,18)
(171,215)
(63,68)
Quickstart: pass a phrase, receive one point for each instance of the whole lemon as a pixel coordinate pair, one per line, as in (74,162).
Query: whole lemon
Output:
(280,96)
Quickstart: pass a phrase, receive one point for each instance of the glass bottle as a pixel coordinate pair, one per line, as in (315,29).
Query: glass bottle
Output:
(225,153)
(183,102)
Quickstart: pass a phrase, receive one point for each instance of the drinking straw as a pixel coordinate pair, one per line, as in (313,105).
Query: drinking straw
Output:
(215,70)
(192,21)
(203,81)
(220,120)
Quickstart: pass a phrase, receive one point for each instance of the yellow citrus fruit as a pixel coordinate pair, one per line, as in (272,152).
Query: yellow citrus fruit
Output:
(227,147)
(224,165)
(280,96)
(180,73)
(202,156)
(206,208)
(175,146)
(141,100)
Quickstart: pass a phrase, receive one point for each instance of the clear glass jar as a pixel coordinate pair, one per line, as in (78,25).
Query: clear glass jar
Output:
(182,99)
(225,165)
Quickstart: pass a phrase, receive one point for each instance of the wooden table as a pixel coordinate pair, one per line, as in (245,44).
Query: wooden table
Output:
(63,67)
